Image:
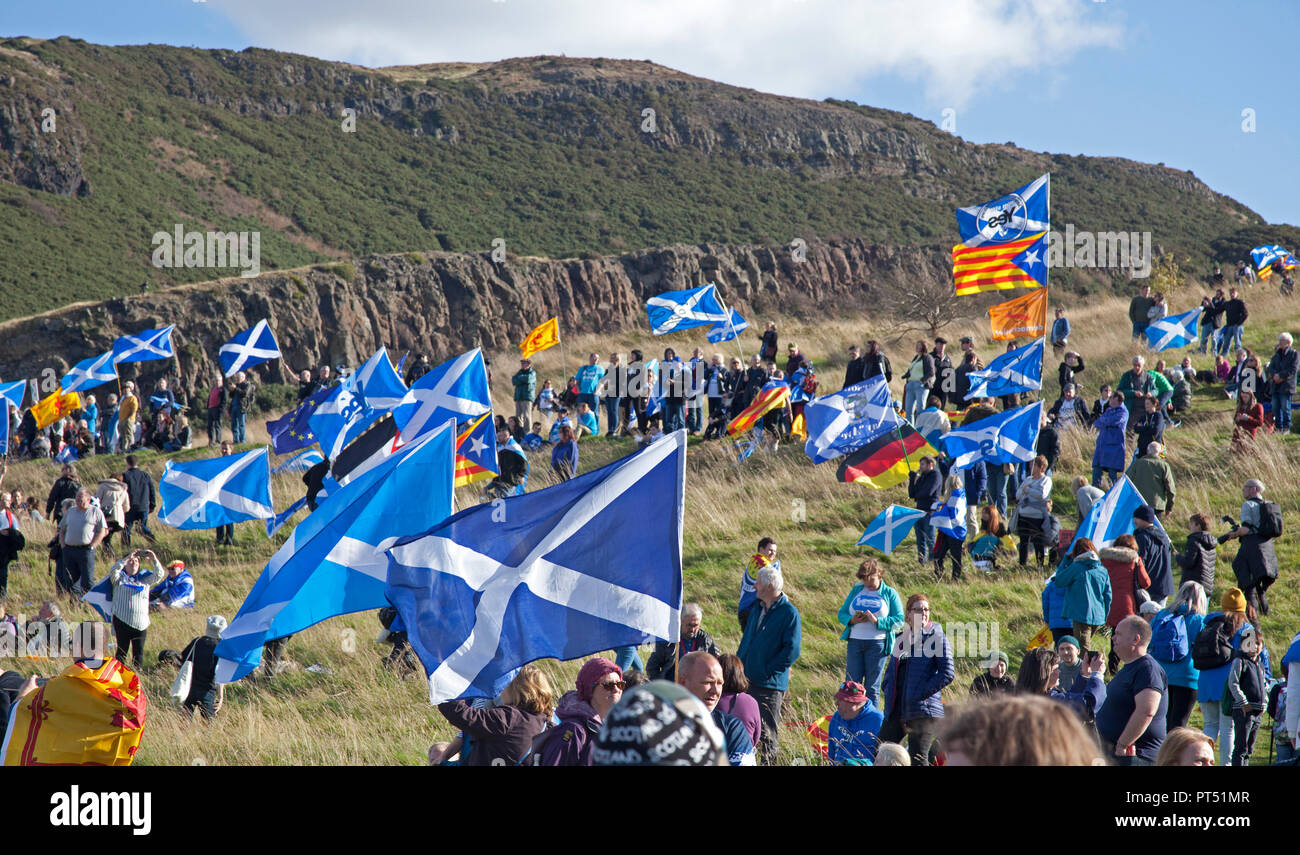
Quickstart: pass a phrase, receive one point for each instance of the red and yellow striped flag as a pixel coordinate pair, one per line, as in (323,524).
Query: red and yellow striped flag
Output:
(989,267)
(467,471)
(774,394)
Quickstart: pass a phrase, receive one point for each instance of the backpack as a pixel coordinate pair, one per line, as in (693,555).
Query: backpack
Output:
(1270,520)
(1169,637)
(1213,645)
(809,384)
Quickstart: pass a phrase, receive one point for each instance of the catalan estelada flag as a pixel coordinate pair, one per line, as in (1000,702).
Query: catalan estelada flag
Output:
(545,336)
(476,451)
(994,268)
(1004,241)
(1021,317)
(819,735)
(886,460)
(774,394)
(53,407)
(83,717)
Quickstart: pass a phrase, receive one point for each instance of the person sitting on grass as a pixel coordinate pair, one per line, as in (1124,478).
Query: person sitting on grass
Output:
(587,424)
(994,680)
(564,456)
(176,591)
(853,732)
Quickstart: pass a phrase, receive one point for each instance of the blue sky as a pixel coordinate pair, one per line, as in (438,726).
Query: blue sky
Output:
(1153,80)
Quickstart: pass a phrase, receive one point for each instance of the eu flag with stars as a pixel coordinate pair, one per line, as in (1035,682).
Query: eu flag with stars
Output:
(291,431)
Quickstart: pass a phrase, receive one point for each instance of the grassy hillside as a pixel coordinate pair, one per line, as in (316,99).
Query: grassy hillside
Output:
(357,713)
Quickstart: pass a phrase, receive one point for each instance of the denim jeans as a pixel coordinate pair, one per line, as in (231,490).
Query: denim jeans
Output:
(924,537)
(1230,340)
(695,416)
(866,661)
(237,427)
(1208,336)
(628,657)
(1282,410)
(1097,472)
(1219,728)
(1139,330)
(611,414)
(997,486)
(674,416)
(913,399)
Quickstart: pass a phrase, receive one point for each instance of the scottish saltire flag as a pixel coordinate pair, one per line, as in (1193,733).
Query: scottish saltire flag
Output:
(727,330)
(89,373)
(300,462)
(1265,257)
(341,418)
(292,431)
(66,455)
(100,598)
(248,348)
(476,451)
(1111,515)
(1004,241)
(14,392)
(844,421)
(1006,437)
(889,528)
(950,516)
(1173,330)
(1019,370)
(563,572)
(380,386)
(144,346)
(333,561)
(797,393)
(216,491)
(277,522)
(672,311)
(456,389)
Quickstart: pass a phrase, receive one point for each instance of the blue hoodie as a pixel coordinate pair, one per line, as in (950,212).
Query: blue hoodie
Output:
(1053,603)
(1087,589)
(853,743)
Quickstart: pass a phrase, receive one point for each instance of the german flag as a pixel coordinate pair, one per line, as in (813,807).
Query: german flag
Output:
(885,461)
(774,394)
(479,442)
(990,267)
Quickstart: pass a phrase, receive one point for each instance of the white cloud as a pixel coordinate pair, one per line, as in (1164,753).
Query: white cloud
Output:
(956,49)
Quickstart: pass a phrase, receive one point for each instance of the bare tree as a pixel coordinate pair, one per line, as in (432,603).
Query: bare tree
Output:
(929,305)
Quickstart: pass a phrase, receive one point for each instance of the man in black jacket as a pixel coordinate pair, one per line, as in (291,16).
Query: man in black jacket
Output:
(143,500)
(875,362)
(925,487)
(1282,376)
(855,373)
(662,664)
(1234,317)
(64,488)
(944,377)
(1156,552)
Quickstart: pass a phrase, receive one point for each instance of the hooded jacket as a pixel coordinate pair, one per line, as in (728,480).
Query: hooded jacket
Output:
(1087,589)
(498,735)
(113,500)
(1198,559)
(568,743)
(1127,574)
(1110,425)
(1157,557)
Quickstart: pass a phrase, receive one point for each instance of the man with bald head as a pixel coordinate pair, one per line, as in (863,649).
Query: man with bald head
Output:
(701,674)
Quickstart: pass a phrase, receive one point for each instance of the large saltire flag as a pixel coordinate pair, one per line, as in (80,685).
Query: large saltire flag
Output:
(248,348)
(1019,370)
(216,491)
(1174,330)
(144,346)
(1005,438)
(341,417)
(1266,257)
(476,451)
(844,421)
(774,394)
(379,384)
(1020,317)
(885,460)
(564,572)
(890,528)
(546,335)
(672,311)
(90,373)
(726,331)
(1004,241)
(53,407)
(333,562)
(456,389)
(14,392)
(1111,515)
(83,717)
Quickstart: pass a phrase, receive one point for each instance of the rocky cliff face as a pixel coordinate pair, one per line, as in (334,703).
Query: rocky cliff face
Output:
(443,303)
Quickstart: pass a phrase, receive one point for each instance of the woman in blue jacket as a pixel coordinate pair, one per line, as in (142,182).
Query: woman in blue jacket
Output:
(1109,455)
(1184,680)
(1087,590)
(919,668)
(1053,603)
(1209,688)
(871,614)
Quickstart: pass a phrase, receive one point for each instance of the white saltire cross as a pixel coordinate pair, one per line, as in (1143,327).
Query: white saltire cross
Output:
(149,345)
(897,518)
(345,404)
(248,349)
(90,376)
(1170,328)
(564,586)
(202,492)
(874,409)
(440,397)
(685,310)
(1018,223)
(990,439)
(364,375)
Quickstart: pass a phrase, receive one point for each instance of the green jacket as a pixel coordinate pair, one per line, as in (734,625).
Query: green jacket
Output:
(525,384)
(889,625)
(1154,479)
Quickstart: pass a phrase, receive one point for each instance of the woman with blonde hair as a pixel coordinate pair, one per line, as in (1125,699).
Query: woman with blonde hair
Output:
(1184,746)
(1188,607)
(502,735)
(1018,730)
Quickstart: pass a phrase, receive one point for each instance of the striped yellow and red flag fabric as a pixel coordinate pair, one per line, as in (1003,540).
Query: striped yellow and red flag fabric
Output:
(885,461)
(546,335)
(819,735)
(774,394)
(989,267)
(468,471)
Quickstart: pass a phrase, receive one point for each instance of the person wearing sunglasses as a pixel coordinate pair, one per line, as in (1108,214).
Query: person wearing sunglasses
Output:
(581,712)
(921,665)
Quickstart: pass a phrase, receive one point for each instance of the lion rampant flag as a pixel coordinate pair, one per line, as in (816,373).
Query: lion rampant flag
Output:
(53,407)
(547,335)
(83,717)
(1042,639)
(1023,317)
(774,394)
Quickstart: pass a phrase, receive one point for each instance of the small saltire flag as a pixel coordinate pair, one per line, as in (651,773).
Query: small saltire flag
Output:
(672,311)
(333,562)
(728,330)
(890,527)
(950,516)
(90,373)
(216,491)
(100,598)
(773,395)
(248,348)
(1004,438)
(292,431)
(1266,257)
(1004,241)
(341,418)
(476,451)
(457,389)
(300,462)
(1019,370)
(14,392)
(567,571)
(379,383)
(144,346)
(885,460)
(1111,515)
(546,335)
(1021,317)
(277,522)
(83,717)
(53,407)
(844,421)
(1174,330)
